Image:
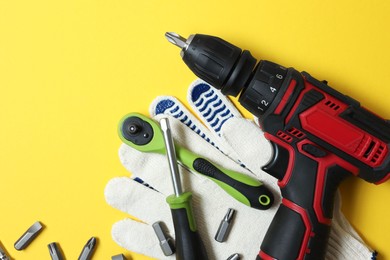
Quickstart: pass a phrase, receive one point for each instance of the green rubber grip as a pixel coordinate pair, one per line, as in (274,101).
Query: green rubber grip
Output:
(183,202)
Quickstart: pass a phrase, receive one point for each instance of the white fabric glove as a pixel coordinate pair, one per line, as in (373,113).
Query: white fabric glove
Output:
(229,141)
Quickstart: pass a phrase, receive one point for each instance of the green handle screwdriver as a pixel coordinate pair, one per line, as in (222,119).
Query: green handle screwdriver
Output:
(189,246)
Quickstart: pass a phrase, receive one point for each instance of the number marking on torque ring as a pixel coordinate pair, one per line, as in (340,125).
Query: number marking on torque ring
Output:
(265,103)
(279,76)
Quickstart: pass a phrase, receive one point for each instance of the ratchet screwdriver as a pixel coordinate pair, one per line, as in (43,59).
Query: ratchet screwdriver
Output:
(189,246)
(145,135)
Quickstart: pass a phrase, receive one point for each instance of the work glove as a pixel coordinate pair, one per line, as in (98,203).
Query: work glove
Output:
(228,140)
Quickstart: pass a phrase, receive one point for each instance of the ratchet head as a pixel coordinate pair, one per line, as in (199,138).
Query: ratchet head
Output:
(141,133)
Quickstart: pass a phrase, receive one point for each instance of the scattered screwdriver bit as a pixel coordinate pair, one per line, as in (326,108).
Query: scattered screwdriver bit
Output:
(3,254)
(88,249)
(234,257)
(166,242)
(118,257)
(28,236)
(224,227)
(55,251)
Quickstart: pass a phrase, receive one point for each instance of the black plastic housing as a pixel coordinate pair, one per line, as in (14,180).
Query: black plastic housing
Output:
(219,63)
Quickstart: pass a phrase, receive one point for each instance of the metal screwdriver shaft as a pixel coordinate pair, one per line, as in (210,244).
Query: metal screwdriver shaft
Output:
(171,154)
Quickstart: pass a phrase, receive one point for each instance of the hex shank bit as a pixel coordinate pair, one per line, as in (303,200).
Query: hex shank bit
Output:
(28,236)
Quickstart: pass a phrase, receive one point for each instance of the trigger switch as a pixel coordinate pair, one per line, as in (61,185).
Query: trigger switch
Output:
(278,165)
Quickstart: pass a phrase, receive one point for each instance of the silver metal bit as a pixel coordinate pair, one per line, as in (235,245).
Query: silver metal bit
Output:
(28,236)
(88,249)
(166,242)
(118,257)
(234,257)
(3,254)
(171,154)
(224,227)
(176,39)
(55,252)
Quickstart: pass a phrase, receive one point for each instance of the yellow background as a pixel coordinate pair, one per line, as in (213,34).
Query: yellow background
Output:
(69,70)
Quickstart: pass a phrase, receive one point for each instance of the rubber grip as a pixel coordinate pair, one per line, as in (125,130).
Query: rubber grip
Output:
(250,192)
(301,226)
(188,243)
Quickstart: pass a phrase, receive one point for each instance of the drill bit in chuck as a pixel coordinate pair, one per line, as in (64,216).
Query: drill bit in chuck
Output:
(176,39)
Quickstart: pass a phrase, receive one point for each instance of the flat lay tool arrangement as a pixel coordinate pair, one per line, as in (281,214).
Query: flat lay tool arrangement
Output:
(318,137)
(85,86)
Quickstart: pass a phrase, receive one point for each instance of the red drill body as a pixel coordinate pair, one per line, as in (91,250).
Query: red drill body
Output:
(319,137)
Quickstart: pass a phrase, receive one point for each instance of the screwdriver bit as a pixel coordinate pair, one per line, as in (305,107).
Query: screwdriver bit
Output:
(55,252)
(166,242)
(176,39)
(28,236)
(234,257)
(224,227)
(88,249)
(3,254)
(118,257)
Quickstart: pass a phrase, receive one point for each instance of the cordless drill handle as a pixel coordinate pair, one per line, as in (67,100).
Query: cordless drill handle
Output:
(319,137)
(301,226)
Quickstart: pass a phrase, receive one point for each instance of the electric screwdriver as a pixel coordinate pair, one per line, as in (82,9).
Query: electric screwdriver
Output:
(319,137)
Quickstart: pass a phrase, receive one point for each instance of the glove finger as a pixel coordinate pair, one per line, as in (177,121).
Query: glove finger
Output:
(343,245)
(137,200)
(211,105)
(339,217)
(150,167)
(138,237)
(168,105)
(250,145)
